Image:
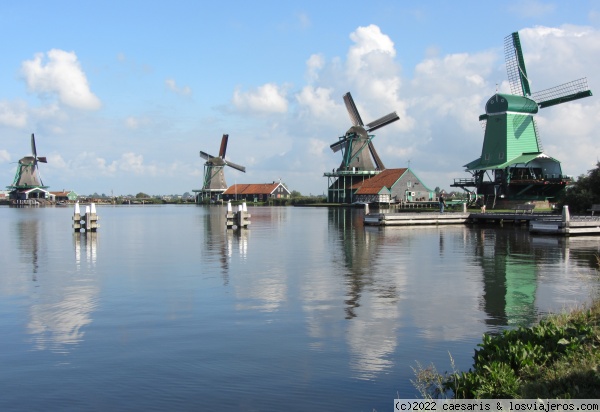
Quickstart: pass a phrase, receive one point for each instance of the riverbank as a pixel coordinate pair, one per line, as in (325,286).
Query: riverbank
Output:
(559,358)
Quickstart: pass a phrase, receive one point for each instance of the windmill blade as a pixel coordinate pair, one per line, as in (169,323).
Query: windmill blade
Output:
(236,166)
(206,156)
(383,121)
(577,89)
(515,66)
(42,159)
(33,149)
(352,110)
(337,146)
(378,163)
(223,148)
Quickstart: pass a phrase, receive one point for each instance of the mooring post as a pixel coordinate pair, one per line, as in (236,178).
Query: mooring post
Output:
(92,219)
(77,218)
(245,215)
(366,208)
(566,217)
(229,215)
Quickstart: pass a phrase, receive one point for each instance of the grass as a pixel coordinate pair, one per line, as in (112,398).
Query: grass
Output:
(559,358)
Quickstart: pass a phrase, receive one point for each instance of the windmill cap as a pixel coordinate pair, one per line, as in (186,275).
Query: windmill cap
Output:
(502,103)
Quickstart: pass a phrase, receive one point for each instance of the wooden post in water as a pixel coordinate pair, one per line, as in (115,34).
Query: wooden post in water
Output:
(77,218)
(88,222)
(242,216)
(566,217)
(240,219)
(229,215)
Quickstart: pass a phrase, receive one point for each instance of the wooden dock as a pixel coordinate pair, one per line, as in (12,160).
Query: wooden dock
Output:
(412,219)
(538,223)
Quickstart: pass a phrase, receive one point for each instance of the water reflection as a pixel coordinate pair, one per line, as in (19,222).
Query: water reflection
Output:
(221,243)
(372,295)
(263,275)
(28,234)
(88,242)
(63,299)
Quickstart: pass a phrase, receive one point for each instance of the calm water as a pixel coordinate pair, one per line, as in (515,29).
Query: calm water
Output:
(164,309)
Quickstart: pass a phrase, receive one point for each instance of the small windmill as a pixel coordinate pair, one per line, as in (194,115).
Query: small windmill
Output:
(359,157)
(214,176)
(513,164)
(357,139)
(28,175)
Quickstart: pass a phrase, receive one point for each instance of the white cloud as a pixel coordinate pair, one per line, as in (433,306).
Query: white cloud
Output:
(13,115)
(58,73)
(268,98)
(313,65)
(369,42)
(135,123)
(172,85)
(317,101)
(4,156)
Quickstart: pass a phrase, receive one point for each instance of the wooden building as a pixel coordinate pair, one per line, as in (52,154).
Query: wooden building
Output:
(65,196)
(256,192)
(391,186)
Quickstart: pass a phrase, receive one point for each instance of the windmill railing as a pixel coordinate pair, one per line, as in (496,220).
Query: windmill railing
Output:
(351,172)
(464,182)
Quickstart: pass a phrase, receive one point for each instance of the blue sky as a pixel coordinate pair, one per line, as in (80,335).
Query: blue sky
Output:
(122,95)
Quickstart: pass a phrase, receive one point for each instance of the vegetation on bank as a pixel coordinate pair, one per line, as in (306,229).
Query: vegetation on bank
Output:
(583,192)
(559,358)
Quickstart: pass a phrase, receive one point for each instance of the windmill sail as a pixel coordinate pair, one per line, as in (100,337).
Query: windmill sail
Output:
(515,66)
(383,121)
(352,110)
(577,89)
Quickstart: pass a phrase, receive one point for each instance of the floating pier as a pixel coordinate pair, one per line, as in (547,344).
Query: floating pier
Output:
(87,222)
(412,219)
(539,223)
(567,225)
(239,219)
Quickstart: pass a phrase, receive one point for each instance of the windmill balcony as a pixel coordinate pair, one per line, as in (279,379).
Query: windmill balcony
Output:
(464,182)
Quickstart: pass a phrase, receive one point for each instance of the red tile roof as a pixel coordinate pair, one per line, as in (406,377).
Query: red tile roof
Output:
(373,185)
(251,189)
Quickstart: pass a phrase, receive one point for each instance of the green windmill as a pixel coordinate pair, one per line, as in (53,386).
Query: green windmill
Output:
(513,165)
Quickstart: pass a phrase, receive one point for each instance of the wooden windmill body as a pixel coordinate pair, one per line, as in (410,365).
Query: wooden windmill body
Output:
(27,183)
(214,183)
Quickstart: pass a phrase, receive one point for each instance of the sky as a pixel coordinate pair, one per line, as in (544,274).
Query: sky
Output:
(123,95)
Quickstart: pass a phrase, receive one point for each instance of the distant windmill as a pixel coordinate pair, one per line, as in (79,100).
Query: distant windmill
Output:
(359,157)
(357,139)
(27,184)
(28,175)
(513,165)
(214,177)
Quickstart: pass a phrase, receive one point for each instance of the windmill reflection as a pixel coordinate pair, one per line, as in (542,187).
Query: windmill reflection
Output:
(222,242)
(29,239)
(508,263)
(63,304)
(372,294)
